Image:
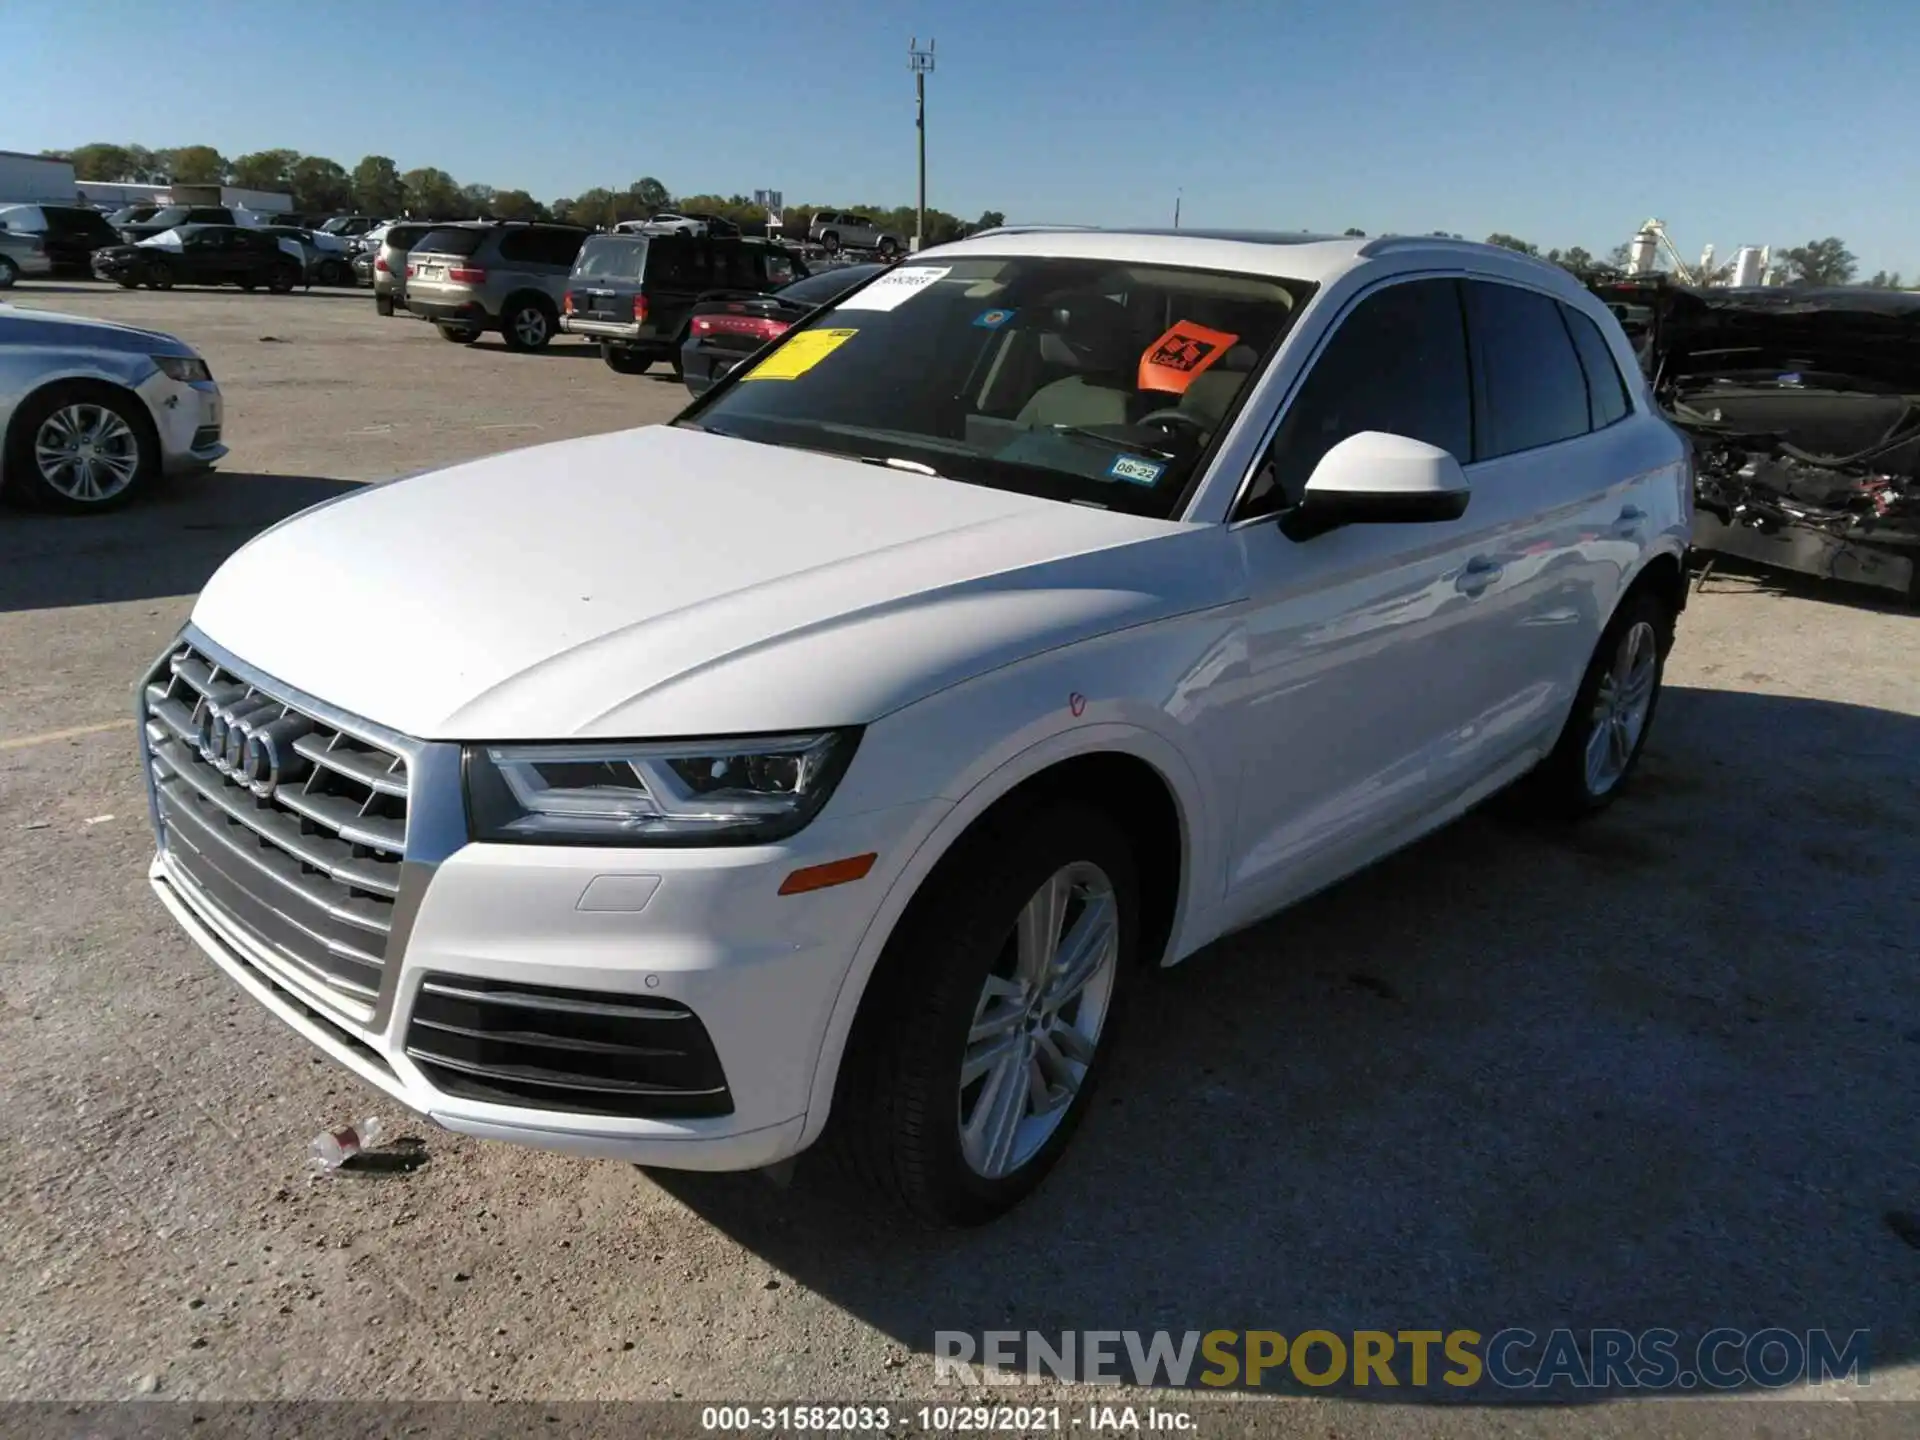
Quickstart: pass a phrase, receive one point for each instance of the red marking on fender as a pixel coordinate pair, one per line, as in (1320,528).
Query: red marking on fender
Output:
(1076,702)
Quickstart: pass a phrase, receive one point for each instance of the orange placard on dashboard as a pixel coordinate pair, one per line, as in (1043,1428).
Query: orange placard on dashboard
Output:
(1183,352)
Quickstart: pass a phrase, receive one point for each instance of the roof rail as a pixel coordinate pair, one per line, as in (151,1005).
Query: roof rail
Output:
(1387,244)
(1041,227)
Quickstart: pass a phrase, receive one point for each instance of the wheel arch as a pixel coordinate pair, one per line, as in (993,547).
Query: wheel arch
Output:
(1133,774)
(96,379)
(525,294)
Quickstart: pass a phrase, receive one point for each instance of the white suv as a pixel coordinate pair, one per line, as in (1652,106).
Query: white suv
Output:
(832,761)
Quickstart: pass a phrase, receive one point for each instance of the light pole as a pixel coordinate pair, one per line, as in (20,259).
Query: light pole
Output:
(921,63)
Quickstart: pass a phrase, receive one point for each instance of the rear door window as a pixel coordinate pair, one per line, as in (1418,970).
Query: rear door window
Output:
(1606,392)
(541,245)
(1533,391)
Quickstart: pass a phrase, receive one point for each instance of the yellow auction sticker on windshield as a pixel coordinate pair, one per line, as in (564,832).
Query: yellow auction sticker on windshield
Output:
(799,355)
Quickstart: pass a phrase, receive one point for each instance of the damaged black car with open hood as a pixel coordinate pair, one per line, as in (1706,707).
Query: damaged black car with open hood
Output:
(1803,405)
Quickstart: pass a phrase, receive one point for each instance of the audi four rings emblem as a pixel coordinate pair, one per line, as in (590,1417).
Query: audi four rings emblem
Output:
(250,739)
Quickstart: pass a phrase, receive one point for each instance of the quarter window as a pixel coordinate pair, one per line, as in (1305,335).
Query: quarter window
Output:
(1533,391)
(1397,363)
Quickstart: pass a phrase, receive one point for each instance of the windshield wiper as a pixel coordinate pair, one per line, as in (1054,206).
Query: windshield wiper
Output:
(1081,432)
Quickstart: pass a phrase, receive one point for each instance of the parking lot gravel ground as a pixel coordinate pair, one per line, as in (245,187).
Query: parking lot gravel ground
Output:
(1661,1071)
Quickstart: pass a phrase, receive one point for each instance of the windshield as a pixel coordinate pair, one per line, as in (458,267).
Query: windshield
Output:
(611,257)
(460,240)
(818,289)
(133,214)
(1095,381)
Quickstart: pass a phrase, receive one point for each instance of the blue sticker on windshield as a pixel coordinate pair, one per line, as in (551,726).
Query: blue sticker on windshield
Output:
(1136,471)
(993,319)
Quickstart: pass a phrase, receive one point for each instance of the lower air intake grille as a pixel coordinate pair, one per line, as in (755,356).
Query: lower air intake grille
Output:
(587,1051)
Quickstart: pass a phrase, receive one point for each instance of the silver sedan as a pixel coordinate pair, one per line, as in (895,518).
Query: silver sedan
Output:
(92,413)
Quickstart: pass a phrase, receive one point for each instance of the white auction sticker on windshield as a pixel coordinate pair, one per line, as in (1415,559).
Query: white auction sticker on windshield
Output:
(894,288)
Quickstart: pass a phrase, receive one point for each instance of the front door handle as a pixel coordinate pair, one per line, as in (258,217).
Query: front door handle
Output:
(1480,572)
(1629,519)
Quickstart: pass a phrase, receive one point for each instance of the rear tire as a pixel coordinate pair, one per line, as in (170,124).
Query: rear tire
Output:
(830,242)
(528,325)
(127,282)
(9,273)
(80,447)
(282,278)
(625,362)
(950,996)
(383,305)
(888,249)
(1613,713)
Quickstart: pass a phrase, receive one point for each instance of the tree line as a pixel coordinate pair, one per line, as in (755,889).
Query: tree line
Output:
(1818,262)
(377,186)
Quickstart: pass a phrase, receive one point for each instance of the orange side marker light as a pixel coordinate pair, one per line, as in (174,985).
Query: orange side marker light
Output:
(834,872)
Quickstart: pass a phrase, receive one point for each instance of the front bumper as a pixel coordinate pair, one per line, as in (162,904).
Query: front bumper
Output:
(701,929)
(187,417)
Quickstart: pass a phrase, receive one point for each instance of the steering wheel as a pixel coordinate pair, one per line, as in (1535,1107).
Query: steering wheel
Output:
(1173,418)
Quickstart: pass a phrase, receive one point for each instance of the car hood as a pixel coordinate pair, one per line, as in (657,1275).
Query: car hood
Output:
(1848,332)
(671,582)
(51,327)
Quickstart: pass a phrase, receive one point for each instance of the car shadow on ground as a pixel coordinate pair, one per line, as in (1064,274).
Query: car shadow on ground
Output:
(562,348)
(1505,1078)
(165,544)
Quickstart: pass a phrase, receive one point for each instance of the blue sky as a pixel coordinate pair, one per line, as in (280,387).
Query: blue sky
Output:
(1566,123)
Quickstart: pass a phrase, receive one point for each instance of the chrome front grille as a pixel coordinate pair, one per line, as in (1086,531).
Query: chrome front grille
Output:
(289,827)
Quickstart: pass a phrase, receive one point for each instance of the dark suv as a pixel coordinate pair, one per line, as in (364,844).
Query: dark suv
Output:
(633,293)
(507,276)
(70,233)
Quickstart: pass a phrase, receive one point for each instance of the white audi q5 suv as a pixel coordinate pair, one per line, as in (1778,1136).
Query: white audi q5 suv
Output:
(830,763)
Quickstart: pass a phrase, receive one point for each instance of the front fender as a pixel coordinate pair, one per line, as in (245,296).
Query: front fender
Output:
(1029,711)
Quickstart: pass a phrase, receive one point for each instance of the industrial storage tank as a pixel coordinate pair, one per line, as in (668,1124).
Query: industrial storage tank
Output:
(1749,266)
(1643,253)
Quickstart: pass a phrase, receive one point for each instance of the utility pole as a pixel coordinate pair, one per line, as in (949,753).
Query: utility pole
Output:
(921,63)
(1176,207)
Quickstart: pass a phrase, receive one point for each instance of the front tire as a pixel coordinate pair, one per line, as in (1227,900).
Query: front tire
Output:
(888,249)
(282,278)
(80,447)
(9,273)
(988,1019)
(1613,712)
(830,242)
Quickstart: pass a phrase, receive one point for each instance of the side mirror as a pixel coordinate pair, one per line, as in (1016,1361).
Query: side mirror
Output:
(1377,478)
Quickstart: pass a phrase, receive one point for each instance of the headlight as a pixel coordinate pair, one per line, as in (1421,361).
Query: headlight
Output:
(692,792)
(183,367)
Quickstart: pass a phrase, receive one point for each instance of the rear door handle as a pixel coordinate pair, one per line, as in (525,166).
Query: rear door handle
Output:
(1629,519)
(1480,572)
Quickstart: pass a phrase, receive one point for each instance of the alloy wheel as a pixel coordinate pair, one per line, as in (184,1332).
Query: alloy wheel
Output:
(530,326)
(1037,1022)
(1621,705)
(87,452)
